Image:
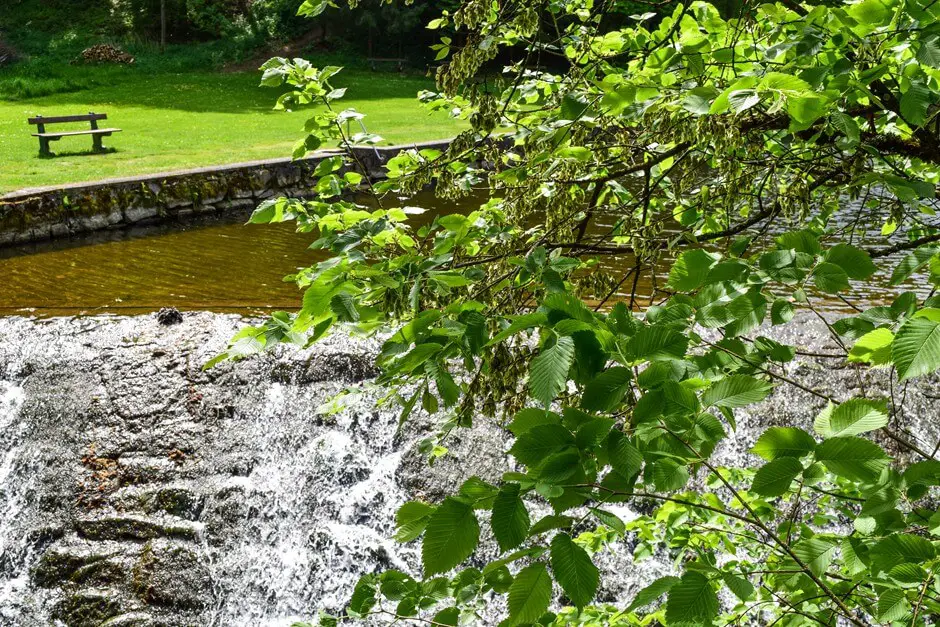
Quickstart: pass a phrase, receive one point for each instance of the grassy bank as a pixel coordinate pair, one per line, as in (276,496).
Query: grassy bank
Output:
(193,119)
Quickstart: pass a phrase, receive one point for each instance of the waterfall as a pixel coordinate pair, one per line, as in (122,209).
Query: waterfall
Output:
(136,488)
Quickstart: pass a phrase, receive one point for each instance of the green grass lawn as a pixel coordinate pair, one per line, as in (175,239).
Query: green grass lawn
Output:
(175,121)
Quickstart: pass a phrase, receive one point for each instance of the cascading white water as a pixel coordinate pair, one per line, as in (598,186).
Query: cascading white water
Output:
(16,488)
(320,501)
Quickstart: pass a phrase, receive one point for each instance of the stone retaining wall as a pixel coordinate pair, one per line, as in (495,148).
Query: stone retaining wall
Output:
(38,214)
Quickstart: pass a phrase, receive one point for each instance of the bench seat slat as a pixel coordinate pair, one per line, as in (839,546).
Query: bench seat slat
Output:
(99,131)
(88,117)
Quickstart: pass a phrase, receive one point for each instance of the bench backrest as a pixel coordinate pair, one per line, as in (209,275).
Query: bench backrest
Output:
(89,117)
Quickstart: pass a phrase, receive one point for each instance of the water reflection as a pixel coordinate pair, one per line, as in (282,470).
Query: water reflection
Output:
(221,264)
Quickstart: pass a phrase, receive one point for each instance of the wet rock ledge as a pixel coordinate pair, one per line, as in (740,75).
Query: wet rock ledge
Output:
(138,489)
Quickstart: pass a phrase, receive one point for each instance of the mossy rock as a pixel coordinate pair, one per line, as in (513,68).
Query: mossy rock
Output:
(58,565)
(88,608)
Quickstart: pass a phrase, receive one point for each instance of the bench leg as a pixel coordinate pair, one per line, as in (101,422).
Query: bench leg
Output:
(44,147)
(98,147)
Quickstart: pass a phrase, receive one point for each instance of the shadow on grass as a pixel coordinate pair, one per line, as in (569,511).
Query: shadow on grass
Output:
(88,152)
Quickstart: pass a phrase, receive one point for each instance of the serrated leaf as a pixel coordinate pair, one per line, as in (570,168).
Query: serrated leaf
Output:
(692,600)
(652,592)
(606,391)
(510,520)
(623,456)
(915,102)
(911,264)
(901,548)
(741,587)
(853,417)
(691,269)
(853,458)
(893,605)
(736,391)
(774,477)
(781,311)
(656,343)
(529,594)
(519,324)
(830,278)
(548,374)
(451,536)
(816,553)
(873,348)
(856,263)
(411,519)
(779,442)
(916,348)
(575,572)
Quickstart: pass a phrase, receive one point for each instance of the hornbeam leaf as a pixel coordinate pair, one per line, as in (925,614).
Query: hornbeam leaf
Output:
(529,594)
(510,519)
(451,536)
(623,456)
(854,261)
(653,591)
(692,600)
(901,548)
(853,458)
(830,278)
(816,553)
(854,416)
(911,264)
(784,442)
(873,348)
(736,391)
(691,269)
(916,348)
(548,374)
(915,102)
(605,393)
(574,570)
(774,478)
(657,343)
(893,605)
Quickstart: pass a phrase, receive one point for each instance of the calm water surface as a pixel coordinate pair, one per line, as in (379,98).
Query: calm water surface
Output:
(215,264)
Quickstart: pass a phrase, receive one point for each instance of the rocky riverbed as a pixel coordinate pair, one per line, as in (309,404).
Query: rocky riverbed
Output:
(138,489)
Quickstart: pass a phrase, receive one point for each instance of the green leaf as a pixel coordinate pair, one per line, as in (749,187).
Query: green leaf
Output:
(853,417)
(606,392)
(532,447)
(856,263)
(691,269)
(656,343)
(830,278)
(781,312)
(669,476)
(652,592)
(623,456)
(741,587)
(774,478)
(363,597)
(915,102)
(548,374)
(521,323)
(574,570)
(853,458)
(873,348)
(893,605)
(510,518)
(928,52)
(911,264)
(847,125)
(530,594)
(451,536)
(779,442)
(816,553)
(312,8)
(692,600)
(736,391)
(411,519)
(901,548)
(916,348)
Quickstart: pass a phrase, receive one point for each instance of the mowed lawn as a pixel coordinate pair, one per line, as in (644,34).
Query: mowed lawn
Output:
(181,121)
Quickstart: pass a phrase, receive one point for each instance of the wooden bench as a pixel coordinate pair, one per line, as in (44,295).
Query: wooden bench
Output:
(95,132)
(375,61)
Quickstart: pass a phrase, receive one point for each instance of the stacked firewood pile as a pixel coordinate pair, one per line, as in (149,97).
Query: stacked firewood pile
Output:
(105,53)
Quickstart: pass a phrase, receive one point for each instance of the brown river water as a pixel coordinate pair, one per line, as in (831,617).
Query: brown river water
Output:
(214,264)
